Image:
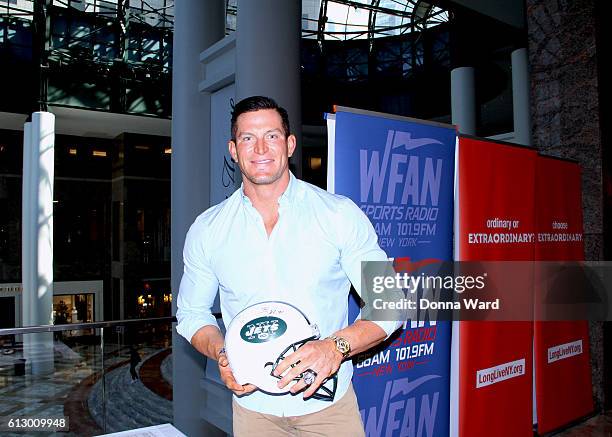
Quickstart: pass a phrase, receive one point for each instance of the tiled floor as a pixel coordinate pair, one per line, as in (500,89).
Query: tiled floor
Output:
(131,404)
(45,395)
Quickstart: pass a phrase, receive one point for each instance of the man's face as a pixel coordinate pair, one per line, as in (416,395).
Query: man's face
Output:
(261,149)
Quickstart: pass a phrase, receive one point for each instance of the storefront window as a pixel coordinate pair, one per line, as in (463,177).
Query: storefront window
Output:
(73,308)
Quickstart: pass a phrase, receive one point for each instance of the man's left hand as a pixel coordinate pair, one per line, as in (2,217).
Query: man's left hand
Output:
(319,356)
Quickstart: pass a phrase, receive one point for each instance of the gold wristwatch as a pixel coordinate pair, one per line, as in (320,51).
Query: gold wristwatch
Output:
(342,345)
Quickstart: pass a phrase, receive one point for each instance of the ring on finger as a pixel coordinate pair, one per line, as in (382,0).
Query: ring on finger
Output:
(309,376)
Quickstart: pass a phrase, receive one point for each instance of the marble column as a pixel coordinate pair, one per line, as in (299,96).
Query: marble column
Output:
(520,97)
(463,100)
(268,57)
(37,239)
(197,25)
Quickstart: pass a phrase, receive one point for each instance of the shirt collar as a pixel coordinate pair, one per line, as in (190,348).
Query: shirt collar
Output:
(285,199)
(289,195)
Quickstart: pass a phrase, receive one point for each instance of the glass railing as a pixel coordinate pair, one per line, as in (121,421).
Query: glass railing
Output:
(85,379)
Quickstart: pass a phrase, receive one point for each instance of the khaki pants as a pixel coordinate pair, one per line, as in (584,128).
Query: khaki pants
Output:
(341,419)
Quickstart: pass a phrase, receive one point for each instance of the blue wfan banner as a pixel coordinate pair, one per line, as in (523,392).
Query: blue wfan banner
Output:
(400,172)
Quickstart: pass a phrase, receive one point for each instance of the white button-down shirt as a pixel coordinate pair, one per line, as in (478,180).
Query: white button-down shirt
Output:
(309,260)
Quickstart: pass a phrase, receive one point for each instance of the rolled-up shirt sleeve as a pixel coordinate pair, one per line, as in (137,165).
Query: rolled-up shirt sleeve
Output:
(360,243)
(199,285)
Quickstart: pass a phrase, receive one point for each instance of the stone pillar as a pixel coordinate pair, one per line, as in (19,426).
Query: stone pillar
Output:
(463,100)
(37,239)
(566,116)
(197,25)
(268,57)
(520,97)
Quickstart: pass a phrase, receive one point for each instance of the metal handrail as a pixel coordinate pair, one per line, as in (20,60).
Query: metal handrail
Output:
(88,325)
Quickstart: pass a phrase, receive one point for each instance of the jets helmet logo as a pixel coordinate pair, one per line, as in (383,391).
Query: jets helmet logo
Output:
(263,329)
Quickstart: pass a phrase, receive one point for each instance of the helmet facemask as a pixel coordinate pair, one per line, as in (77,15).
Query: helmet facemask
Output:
(327,390)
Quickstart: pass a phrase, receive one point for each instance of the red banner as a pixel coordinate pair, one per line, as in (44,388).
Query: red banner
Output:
(495,222)
(562,363)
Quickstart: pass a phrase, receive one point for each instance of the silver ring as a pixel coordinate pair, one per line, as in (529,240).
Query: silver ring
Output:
(309,376)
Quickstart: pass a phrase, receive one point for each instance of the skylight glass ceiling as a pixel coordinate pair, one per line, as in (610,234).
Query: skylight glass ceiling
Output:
(156,13)
(321,19)
(361,19)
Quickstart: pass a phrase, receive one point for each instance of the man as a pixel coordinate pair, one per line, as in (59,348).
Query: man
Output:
(279,238)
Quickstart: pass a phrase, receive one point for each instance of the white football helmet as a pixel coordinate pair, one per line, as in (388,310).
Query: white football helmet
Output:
(259,338)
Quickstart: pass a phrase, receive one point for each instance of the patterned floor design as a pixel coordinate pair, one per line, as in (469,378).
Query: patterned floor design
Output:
(67,391)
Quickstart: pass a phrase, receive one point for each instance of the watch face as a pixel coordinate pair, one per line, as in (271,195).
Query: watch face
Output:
(343,346)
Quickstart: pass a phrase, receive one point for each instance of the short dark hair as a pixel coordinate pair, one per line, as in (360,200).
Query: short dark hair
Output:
(256,103)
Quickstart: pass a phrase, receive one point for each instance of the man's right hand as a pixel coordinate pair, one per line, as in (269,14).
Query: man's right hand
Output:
(209,341)
(227,376)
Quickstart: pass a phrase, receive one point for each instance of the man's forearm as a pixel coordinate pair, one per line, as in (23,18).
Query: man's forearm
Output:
(362,335)
(208,340)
